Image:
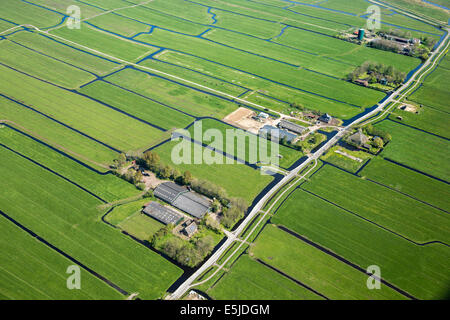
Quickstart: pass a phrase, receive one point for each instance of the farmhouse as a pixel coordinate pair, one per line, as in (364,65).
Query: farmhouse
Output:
(267,131)
(161,213)
(291,126)
(183,199)
(325,118)
(190,229)
(359,139)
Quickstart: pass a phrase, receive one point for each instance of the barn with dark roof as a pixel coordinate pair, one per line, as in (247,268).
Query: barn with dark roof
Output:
(183,199)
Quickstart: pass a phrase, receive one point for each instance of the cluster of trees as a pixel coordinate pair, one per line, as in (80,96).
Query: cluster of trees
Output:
(152,162)
(418,50)
(310,142)
(386,45)
(381,137)
(233,212)
(187,253)
(376,72)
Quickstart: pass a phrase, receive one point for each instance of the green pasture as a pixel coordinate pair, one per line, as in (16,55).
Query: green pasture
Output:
(136,105)
(264,86)
(33,271)
(251,280)
(175,95)
(65,53)
(316,269)
(417,149)
(344,162)
(429,119)
(390,209)
(230,145)
(306,80)
(366,244)
(55,134)
(42,66)
(106,44)
(21,12)
(108,187)
(410,182)
(86,115)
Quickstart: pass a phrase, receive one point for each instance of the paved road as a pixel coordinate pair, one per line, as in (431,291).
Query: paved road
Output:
(178,293)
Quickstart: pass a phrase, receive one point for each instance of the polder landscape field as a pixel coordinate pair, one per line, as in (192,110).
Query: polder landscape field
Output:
(98,97)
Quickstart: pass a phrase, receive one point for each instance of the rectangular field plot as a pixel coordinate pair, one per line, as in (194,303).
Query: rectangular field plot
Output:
(21,12)
(31,270)
(86,115)
(366,244)
(239,180)
(160,19)
(180,8)
(251,280)
(66,216)
(56,49)
(173,94)
(129,218)
(108,187)
(41,66)
(145,109)
(428,119)
(314,268)
(55,134)
(255,27)
(408,181)
(288,155)
(62,5)
(434,91)
(103,43)
(380,205)
(417,149)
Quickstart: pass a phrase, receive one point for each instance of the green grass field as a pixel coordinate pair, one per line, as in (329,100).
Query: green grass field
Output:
(173,94)
(42,66)
(77,111)
(249,279)
(138,106)
(417,149)
(314,268)
(46,280)
(129,218)
(65,53)
(345,162)
(366,244)
(429,119)
(409,182)
(55,134)
(108,187)
(392,210)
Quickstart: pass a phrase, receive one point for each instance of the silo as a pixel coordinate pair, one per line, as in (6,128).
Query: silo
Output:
(361,34)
